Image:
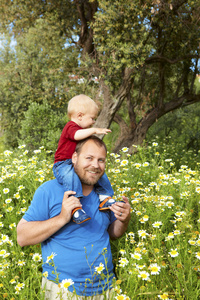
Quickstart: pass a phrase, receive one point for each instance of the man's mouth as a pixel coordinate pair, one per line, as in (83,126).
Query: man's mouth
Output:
(94,172)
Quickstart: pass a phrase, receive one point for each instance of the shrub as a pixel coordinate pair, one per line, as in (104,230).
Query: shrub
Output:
(42,126)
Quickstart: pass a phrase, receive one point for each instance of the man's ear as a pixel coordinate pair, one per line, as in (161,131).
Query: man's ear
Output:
(74,157)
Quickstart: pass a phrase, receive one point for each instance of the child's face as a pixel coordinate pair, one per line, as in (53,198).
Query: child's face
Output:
(88,119)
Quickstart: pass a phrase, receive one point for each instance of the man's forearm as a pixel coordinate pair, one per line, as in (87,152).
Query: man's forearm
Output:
(117,229)
(122,212)
(34,232)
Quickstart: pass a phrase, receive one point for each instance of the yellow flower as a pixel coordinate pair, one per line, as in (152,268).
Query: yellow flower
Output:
(155,269)
(173,253)
(6,190)
(2,252)
(12,281)
(198,189)
(123,262)
(7,152)
(17,195)
(156,250)
(164,296)
(144,275)
(136,255)
(19,286)
(122,297)
(21,263)
(37,257)
(66,283)
(118,281)
(100,268)
(125,149)
(45,274)
(50,257)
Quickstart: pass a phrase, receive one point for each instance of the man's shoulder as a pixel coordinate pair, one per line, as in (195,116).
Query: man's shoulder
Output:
(49,190)
(51,184)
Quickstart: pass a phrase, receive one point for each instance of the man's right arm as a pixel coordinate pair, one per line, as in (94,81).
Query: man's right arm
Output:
(34,232)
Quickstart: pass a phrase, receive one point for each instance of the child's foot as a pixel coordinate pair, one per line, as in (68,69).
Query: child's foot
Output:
(79,216)
(105,202)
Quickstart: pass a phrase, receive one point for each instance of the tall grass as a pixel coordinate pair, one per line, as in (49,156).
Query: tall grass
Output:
(158,257)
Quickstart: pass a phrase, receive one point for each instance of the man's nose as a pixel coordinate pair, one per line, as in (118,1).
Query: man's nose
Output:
(95,163)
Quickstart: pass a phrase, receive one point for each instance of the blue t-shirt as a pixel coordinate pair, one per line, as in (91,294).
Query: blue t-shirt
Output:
(78,249)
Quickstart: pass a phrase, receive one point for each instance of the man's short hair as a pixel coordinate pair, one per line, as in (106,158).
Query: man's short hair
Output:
(94,138)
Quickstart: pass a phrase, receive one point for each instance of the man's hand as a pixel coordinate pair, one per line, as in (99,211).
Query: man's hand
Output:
(69,203)
(122,210)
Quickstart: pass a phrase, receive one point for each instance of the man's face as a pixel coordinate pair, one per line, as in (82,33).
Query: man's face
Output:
(89,165)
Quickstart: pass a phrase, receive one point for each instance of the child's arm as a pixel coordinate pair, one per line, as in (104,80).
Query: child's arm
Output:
(84,133)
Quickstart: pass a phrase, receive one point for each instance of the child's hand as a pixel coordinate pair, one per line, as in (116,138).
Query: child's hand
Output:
(102,131)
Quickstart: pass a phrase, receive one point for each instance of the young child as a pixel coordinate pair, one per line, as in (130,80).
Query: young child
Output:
(82,112)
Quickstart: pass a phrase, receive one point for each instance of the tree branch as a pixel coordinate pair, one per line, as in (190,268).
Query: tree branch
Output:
(159,58)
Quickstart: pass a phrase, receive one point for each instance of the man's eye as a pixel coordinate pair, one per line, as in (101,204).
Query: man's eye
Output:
(102,160)
(89,157)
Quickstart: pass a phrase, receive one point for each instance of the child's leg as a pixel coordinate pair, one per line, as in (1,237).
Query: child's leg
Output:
(65,174)
(105,191)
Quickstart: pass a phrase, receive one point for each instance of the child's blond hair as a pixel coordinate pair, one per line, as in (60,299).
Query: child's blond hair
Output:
(81,103)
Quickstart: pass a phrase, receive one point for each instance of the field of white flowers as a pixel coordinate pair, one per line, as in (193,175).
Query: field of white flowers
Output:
(158,257)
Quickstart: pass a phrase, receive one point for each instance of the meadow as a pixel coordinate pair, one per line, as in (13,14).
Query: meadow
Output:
(157,258)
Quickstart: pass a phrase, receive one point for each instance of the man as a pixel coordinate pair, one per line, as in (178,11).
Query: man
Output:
(77,251)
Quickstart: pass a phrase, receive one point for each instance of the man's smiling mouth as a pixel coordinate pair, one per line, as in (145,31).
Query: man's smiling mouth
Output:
(94,172)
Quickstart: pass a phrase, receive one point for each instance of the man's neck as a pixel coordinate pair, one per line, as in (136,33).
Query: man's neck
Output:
(87,189)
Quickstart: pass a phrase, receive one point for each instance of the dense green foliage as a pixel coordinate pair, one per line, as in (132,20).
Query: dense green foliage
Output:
(139,58)
(181,126)
(41,126)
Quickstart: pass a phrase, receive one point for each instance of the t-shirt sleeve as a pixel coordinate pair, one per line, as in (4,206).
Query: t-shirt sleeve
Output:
(112,217)
(39,207)
(72,129)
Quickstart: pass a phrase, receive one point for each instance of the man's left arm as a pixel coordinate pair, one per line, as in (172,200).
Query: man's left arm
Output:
(122,211)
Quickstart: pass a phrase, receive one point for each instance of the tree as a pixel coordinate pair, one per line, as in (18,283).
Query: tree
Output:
(157,62)
(145,54)
(35,70)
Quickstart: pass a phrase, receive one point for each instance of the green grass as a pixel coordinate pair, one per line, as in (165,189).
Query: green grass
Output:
(158,257)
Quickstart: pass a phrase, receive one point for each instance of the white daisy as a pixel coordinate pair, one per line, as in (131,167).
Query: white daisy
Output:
(66,283)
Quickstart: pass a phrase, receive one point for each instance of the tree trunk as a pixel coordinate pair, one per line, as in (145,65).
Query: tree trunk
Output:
(111,103)
(135,136)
